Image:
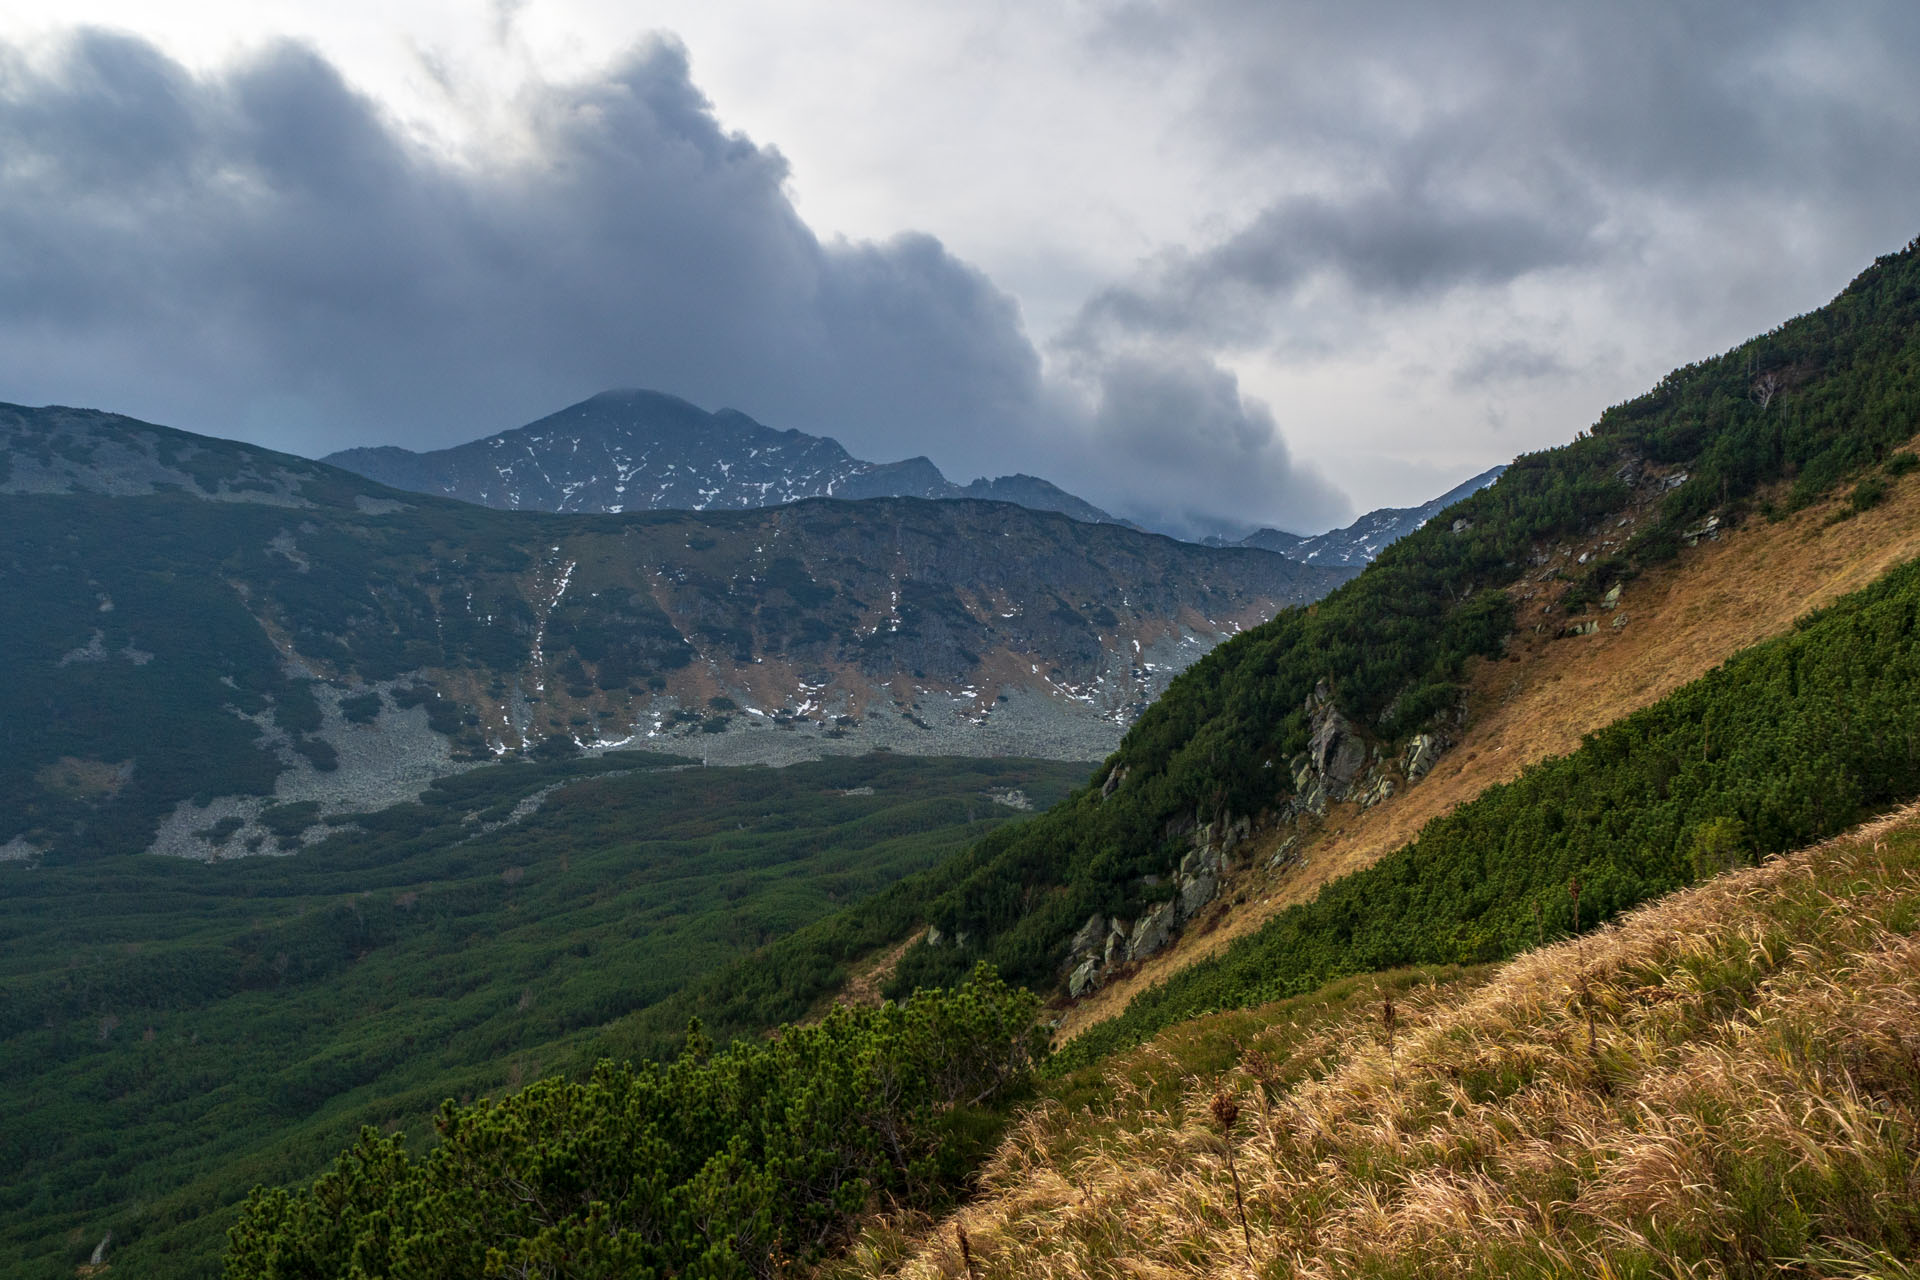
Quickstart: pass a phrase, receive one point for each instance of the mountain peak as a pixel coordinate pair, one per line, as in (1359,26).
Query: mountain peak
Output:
(633,449)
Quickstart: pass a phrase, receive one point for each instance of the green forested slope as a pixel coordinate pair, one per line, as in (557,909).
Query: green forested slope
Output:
(712,1167)
(172,1033)
(1812,403)
(1790,741)
(151,634)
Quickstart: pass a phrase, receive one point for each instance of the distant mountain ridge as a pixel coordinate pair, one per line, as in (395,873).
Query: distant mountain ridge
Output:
(1357,544)
(636,450)
(304,632)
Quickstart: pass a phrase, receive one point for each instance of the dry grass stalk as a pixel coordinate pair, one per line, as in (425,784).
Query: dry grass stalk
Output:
(1388,1020)
(1225,1112)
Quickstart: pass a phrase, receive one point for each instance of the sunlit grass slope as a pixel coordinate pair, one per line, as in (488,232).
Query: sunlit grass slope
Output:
(1723,1083)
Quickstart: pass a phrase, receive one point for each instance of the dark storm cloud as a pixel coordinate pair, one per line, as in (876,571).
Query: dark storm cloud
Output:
(1216,458)
(1404,242)
(1449,148)
(263,252)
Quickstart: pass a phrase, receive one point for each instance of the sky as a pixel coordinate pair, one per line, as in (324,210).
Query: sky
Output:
(1212,265)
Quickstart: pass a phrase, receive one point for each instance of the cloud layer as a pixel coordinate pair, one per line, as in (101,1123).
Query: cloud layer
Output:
(264,253)
(265,246)
(1387,242)
(1467,227)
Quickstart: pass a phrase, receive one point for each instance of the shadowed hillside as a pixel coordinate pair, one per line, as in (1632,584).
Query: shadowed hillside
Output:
(307,636)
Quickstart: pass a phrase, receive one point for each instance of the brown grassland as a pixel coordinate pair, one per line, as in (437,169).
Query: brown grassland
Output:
(1723,1083)
(1683,619)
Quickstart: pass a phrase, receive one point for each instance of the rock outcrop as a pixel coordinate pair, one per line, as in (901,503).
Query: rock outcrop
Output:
(1335,755)
(1423,752)
(1101,944)
(1155,930)
(1339,765)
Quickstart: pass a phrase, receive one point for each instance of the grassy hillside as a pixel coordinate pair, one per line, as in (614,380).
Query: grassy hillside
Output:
(1724,1083)
(172,1033)
(1791,740)
(1672,625)
(1815,404)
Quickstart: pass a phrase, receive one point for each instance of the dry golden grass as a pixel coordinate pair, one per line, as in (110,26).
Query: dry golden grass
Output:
(1683,620)
(863,988)
(1724,1083)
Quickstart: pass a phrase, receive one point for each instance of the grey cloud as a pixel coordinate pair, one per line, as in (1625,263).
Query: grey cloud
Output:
(1405,241)
(1506,362)
(263,252)
(1207,454)
(1686,94)
(1441,148)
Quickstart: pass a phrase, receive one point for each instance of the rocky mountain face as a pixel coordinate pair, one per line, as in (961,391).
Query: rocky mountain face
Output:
(199,631)
(1358,543)
(624,451)
(1041,495)
(1340,764)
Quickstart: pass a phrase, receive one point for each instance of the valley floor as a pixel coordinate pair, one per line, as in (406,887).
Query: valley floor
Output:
(1724,1083)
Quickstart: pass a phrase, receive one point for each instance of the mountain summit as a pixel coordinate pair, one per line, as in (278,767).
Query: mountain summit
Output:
(638,450)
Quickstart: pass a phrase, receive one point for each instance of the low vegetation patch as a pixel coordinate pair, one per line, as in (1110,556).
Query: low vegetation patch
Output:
(712,1166)
(173,1033)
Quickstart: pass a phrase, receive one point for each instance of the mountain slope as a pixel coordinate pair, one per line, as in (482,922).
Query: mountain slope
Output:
(1364,690)
(1041,495)
(1723,1082)
(621,451)
(647,451)
(1789,740)
(304,634)
(1676,622)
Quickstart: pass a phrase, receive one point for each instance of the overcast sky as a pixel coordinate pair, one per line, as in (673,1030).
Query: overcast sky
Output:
(1241,260)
